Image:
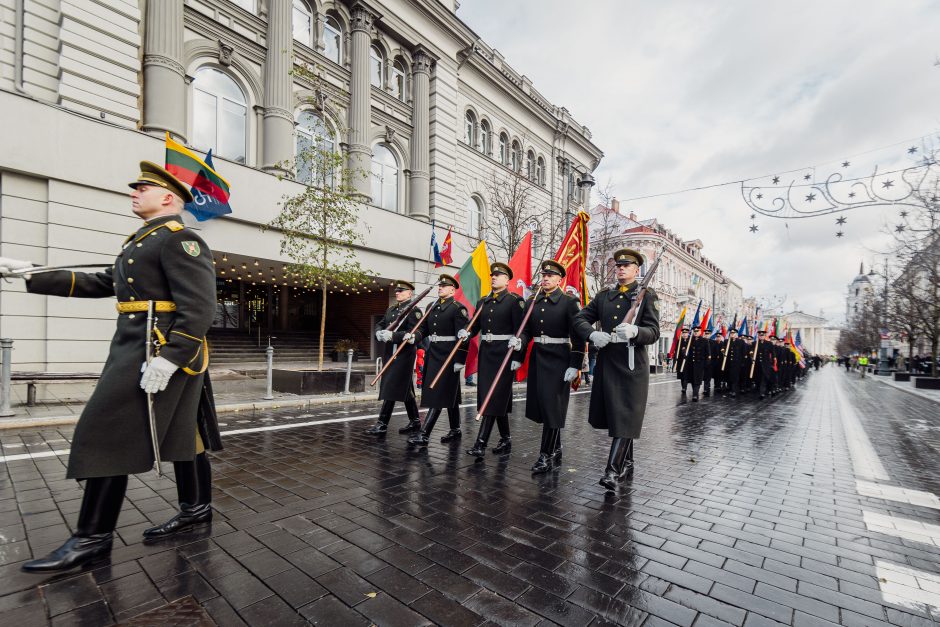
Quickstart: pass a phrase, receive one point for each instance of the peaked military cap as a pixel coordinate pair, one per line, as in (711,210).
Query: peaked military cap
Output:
(550,266)
(501,268)
(761,332)
(447,279)
(685,329)
(152,174)
(628,255)
(403,285)
(732,331)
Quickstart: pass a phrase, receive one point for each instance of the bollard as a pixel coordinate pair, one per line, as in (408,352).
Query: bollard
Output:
(6,346)
(269,353)
(349,356)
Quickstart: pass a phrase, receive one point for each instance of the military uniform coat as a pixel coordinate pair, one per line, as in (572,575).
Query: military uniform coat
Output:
(766,357)
(447,317)
(736,350)
(161,261)
(500,314)
(397,383)
(618,394)
(547,393)
(699,358)
(680,358)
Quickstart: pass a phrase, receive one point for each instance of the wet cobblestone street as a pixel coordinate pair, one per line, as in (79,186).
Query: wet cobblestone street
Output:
(818,507)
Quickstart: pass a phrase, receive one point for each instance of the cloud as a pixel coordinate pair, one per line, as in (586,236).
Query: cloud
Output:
(681,94)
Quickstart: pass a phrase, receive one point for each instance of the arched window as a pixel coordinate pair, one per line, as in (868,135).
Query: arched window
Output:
(503,149)
(376,66)
(398,79)
(540,171)
(469,128)
(486,138)
(332,39)
(220,115)
(516,156)
(384,178)
(530,165)
(474,216)
(312,131)
(302,22)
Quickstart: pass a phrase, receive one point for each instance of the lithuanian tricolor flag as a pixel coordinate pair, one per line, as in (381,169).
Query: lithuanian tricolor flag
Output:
(210,190)
(475,283)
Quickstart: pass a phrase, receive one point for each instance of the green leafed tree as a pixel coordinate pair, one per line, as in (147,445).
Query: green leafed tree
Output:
(320,225)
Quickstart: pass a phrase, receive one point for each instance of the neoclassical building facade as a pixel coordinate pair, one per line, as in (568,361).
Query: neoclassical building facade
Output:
(406,91)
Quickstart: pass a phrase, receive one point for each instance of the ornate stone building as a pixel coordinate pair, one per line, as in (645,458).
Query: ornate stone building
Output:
(404,89)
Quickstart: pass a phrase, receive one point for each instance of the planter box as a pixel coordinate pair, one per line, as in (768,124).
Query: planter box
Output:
(902,376)
(307,382)
(927,383)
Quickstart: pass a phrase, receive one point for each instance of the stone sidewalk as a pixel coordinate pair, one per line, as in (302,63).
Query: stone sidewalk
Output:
(817,507)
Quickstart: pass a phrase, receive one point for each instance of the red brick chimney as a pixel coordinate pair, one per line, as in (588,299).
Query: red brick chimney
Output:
(633,216)
(615,205)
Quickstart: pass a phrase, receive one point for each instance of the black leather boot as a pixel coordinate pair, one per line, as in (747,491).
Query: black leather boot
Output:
(618,451)
(94,534)
(453,417)
(486,428)
(194,491)
(545,462)
(505,440)
(414,423)
(385,415)
(626,467)
(708,391)
(557,446)
(694,393)
(421,439)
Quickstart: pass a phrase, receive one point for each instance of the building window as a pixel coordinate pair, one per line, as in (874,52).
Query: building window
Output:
(249,5)
(398,79)
(470,128)
(516,157)
(376,66)
(486,138)
(384,178)
(220,115)
(503,149)
(312,131)
(571,187)
(540,171)
(474,216)
(530,165)
(332,39)
(302,23)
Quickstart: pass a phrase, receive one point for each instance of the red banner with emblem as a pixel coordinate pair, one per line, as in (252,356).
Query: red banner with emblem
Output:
(572,255)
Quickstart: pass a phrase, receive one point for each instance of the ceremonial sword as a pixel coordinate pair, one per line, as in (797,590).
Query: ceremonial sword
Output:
(44,269)
(150,413)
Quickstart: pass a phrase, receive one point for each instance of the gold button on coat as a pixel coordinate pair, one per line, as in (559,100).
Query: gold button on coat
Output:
(130,279)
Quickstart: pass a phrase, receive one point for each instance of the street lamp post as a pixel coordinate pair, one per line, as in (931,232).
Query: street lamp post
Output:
(586,182)
(883,367)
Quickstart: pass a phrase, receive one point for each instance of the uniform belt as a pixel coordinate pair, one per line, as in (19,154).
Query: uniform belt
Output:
(442,338)
(544,339)
(489,337)
(133,306)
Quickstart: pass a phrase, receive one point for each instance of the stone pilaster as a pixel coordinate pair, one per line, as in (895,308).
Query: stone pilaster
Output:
(420,181)
(278,136)
(164,74)
(359,153)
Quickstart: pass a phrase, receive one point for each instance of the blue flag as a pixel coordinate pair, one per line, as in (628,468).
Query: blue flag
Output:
(204,206)
(744,328)
(438,260)
(696,321)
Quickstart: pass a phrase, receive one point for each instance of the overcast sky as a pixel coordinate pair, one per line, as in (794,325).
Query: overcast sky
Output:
(682,94)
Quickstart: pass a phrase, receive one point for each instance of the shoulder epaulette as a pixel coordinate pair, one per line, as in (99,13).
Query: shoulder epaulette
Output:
(174,226)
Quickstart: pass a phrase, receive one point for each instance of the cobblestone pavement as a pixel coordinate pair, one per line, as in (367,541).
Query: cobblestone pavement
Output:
(816,508)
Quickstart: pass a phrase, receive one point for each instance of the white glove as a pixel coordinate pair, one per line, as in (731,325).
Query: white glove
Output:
(570,374)
(463,334)
(383,336)
(626,331)
(458,367)
(157,375)
(8,265)
(515,343)
(409,337)
(600,339)
(515,365)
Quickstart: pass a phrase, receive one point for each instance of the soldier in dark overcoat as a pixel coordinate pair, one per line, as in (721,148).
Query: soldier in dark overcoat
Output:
(713,370)
(554,362)
(698,360)
(500,316)
(735,350)
(621,374)
(766,362)
(444,320)
(397,383)
(682,373)
(167,269)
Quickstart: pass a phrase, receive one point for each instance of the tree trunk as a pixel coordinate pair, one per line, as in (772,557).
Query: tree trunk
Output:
(322,323)
(933,358)
(910,352)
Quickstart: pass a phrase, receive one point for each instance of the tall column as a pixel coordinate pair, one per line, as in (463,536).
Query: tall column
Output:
(421,135)
(164,74)
(360,155)
(278,136)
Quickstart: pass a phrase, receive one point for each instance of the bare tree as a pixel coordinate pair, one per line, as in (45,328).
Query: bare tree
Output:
(511,213)
(605,228)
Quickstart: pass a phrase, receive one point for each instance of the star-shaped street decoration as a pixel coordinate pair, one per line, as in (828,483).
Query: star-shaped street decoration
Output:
(753,228)
(810,197)
(806,177)
(840,220)
(759,196)
(851,194)
(845,164)
(839,234)
(912,150)
(933,199)
(776,180)
(899,228)
(904,214)
(887,184)
(753,216)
